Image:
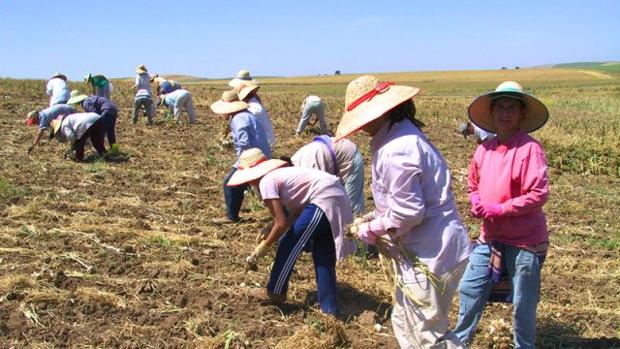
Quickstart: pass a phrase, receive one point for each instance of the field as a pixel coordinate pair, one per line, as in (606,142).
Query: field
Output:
(122,254)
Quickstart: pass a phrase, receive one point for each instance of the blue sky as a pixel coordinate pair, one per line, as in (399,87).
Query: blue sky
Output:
(288,38)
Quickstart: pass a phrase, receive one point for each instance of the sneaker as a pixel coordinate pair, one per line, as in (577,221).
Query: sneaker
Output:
(266,297)
(223,220)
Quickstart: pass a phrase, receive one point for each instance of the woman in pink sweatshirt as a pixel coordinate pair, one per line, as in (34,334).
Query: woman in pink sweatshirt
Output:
(507,190)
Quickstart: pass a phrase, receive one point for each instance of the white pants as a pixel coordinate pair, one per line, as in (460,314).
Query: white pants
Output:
(184,101)
(418,327)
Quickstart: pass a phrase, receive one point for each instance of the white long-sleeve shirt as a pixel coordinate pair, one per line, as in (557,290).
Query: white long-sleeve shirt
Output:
(413,199)
(261,115)
(74,126)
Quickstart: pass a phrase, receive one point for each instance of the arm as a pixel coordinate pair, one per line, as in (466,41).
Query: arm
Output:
(240,127)
(280,222)
(534,183)
(49,89)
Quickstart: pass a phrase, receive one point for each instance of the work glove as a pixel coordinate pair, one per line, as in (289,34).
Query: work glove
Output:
(263,233)
(260,250)
(365,218)
(491,210)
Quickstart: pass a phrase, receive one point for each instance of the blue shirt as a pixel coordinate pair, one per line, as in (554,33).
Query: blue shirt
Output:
(169,86)
(248,133)
(99,105)
(48,114)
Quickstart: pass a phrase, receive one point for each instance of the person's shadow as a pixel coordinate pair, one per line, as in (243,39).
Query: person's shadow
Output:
(553,334)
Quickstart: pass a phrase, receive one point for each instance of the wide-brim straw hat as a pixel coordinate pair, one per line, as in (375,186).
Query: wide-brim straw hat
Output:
(243,77)
(367,99)
(59,75)
(244,89)
(56,123)
(535,114)
(141,69)
(253,164)
(229,103)
(76,97)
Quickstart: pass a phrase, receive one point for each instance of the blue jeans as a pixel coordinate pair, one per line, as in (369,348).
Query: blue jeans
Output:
(312,232)
(524,271)
(233,197)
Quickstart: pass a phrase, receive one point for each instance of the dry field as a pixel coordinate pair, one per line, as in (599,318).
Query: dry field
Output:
(121,254)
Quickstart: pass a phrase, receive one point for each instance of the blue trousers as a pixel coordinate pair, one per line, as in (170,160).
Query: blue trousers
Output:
(233,197)
(524,270)
(109,119)
(311,232)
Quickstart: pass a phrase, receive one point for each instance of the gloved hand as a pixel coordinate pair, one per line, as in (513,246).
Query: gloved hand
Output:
(365,234)
(260,250)
(491,210)
(365,218)
(30,149)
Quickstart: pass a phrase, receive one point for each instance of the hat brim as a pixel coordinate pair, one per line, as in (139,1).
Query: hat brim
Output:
(56,124)
(225,108)
(249,174)
(235,82)
(77,99)
(244,92)
(536,113)
(60,76)
(352,121)
(141,71)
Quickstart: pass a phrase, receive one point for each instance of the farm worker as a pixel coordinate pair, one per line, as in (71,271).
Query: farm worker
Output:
(102,106)
(163,86)
(77,128)
(468,129)
(415,216)
(312,105)
(508,187)
(178,100)
(341,159)
(318,211)
(43,117)
(243,77)
(142,99)
(248,93)
(57,89)
(247,133)
(100,85)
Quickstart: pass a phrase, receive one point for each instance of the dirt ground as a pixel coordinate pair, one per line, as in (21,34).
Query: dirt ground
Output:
(123,254)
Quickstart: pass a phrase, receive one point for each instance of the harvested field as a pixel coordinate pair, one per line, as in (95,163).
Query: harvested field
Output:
(122,254)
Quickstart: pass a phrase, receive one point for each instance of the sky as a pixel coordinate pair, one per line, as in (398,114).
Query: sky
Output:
(214,39)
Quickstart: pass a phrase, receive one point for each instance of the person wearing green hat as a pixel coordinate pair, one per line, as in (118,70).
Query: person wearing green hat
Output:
(100,85)
(508,187)
(102,106)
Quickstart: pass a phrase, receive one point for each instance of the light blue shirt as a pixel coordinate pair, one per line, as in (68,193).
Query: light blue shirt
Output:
(50,113)
(58,91)
(171,98)
(248,133)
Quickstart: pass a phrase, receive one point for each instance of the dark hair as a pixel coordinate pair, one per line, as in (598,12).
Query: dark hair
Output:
(494,100)
(404,111)
(287,159)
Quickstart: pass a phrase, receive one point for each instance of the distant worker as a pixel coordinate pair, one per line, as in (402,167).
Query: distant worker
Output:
(341,159)
(57,89)
(163,86)
(100,85)
(243,77)
(248,93)
(142,99)
(177,101)
(102,106)
(312,105)
(43,118)
(77,128)
(468,129)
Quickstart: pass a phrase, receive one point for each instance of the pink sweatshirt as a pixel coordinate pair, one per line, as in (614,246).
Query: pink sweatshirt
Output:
(513,174)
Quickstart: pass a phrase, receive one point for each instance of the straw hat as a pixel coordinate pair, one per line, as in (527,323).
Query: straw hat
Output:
(31,117)
(229,104)
(243,76)
(141,69)
(55,124)
(253,164)
(243,89)
(536,113)
(76,97)
(154,76)
(366,100)
(59,75)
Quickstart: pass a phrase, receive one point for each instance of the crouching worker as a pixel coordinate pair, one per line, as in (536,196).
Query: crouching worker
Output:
(42,118)
(102,106)
(178,100)
(77,128)
(318,209)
